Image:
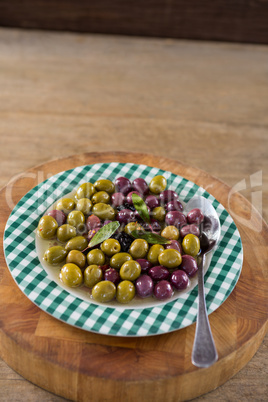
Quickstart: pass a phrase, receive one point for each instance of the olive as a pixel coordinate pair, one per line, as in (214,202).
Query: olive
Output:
(96,257)
(175,245)
(195,216)
(125,291)
(159,213)
(138,248)
(47,227)
(130,270)
(179,279)
(54,255)
(86,190)
(76,219)
(170,232)
(104,185)
(84,205)
(145,264)
(140,185)
(58,215)
(129,197)
(144,286)
(154,252)
(112,275)
(92,275)
(118,260)
(163,290)
(117,199)
(131,226)
(100,196)
(71,275)
(76,243)
(76,257)
(152,201)
(170,258)
(125,216)
(175,218)
(158,184)
(93,222)
(66,205)
(189,265)
(103,211)
(187,229)
(123,185)
(104,291)
(191,245)
(168,196)
(158,273)
(110,247)
(66,232)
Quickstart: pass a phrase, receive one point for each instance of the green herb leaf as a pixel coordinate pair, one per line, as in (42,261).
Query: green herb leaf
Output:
(141,207)
(104,233)
(150,237)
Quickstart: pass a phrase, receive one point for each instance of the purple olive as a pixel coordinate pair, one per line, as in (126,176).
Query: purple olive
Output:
(129,197)
(190,229)
(58,215)
(125,216)
(174,205)
(158,273)
(189,265)
(144,286)
(145,264)
(174,244)
(117,199)
(167,196)
(179,279)
(123,185)
(92,233)
(93,222)
(152,201)
(140,185)
(163,290)
(112,275)
(175,218)
(154,226)
(195,216)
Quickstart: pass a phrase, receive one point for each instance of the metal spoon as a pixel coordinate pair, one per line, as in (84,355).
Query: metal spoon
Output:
(204,352)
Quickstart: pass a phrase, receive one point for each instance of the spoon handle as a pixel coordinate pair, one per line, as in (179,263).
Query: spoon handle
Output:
(204,353)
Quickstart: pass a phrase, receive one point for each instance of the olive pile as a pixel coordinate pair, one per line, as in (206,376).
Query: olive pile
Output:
(123,266)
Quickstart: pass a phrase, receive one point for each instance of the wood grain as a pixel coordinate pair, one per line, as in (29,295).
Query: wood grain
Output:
(112,368)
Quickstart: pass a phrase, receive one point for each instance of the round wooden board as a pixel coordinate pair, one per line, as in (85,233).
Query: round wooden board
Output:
(82,366)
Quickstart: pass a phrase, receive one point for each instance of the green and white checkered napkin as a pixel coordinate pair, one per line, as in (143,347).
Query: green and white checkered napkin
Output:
(32,279)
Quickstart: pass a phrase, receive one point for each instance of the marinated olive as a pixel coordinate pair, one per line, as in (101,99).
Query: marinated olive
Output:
(145,264)
(130,270)
(179,279)
(174,244)
(93,222)
(76,257)
(112,275)
(144,286)
(159,213)
(140,185)
(58,215)
(191,245)
(125,216)
(154,226)
(125,291)
(187,229)
(117,199)
(175,218)
(110,247)
(104,185)
(170,232)
(100,196)
(123,185)
(174,205)
(195,216)
(86,190)
(84,205)
(170,258)
(158,273)
(103,211)
(158,184)
(47,227)
(96,257)
(76,219)
(104,291)
(92,275)
(154,252)
(118,260)
(152,201)
(76,243)
(167,196)
(65,233)
(163,290)
(131,226)
(189,265)
(71,275)
(139,248)
(55,255)
(66,205)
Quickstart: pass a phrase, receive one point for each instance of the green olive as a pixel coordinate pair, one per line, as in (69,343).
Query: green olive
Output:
(104,185)
(84,205)
(76,257)
(154,252)
(77,243)
(132,226)
(170,232)
(104,291)
(118,260)
(130,270)
(191,245)
(92,275)
(159,213)
(66,232)
(110,247)
(138,248)
(103,211)
(66,205)
(86,190)
(158,184)
(101,196)
(96,257)
(170,258)
(76,219)
(125,292)
(55,255)
(47,227)
(71,275)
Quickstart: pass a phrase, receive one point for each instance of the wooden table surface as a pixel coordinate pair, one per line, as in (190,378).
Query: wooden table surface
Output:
(201,103)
